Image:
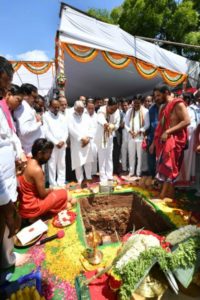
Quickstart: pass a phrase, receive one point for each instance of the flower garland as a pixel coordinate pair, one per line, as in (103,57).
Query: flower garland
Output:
(179,235)
(141,243)
(132,273)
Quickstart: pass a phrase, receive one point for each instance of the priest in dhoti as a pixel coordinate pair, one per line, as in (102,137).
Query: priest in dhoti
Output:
(108,118)
(80,137)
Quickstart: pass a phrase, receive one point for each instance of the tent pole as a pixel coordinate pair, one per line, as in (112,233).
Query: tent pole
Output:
(167,42)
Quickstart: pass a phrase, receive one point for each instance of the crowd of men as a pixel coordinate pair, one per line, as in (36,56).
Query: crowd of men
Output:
(155,136)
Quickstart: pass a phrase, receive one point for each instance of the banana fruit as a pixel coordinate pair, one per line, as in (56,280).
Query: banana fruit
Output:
(27,293)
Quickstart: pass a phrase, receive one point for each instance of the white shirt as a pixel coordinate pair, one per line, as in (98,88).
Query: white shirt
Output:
(136,122)
(93,120)
(10,149)
(124,131)
(101,119)
(28,128)
(196,112)
(55,127)
(80,127)
(8,136)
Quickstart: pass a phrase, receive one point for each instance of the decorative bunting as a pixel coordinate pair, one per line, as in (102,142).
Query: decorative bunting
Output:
(118,61)
(38,67)
(16,65)
(172,78)
(115,60)
(146,70)
(80,53)
(34,67)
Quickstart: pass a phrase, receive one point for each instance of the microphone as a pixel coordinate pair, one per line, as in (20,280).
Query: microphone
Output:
(59,235)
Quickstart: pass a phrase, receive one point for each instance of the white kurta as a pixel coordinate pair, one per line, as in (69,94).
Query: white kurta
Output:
(101,119)
(135,144)
(56,131)
(10,150)
(105,150)
(28,128)
(93,120)
(124,148)
(187,172)
(80,127)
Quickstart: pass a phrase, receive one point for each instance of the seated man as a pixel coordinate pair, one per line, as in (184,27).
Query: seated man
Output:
(35,199)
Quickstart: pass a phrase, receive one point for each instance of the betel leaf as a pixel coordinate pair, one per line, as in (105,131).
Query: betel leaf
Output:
(185,275)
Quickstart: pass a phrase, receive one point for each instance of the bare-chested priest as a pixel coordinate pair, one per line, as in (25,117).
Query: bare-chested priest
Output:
(36,200)
(170,138)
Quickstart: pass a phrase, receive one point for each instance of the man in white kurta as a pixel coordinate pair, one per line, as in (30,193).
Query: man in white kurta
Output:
(56,131)
(108,118)
(124,148)
(136,122)
(29,125)
(10,151)
(80,138)
(90,112)
(186,177)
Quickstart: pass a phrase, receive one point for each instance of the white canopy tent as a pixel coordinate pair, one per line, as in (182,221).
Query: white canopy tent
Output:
(89,73)
(42,76)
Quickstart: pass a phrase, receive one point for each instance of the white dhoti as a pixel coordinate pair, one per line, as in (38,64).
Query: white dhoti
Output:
(106,162)
(124,155)
(88,172)
(188,168)
(144,161)
(7,164)
(94,153)
(57,167)
(135,151)
(81,158)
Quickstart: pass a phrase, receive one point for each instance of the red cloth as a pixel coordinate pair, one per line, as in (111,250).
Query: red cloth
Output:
(99,288)
(169,154)
(32,206)
(7,113)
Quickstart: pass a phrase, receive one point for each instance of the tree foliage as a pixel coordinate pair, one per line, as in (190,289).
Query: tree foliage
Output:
(177,21)
(101,14)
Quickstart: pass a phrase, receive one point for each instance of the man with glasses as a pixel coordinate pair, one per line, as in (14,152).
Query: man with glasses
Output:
(29,124)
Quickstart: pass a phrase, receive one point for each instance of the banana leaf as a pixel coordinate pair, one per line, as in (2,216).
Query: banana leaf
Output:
(185,276)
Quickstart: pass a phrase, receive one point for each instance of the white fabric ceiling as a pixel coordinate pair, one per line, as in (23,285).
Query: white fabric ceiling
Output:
(78,28)
(97,78)
(43,82)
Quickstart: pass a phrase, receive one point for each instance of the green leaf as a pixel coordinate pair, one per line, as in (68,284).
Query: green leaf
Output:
(185,276)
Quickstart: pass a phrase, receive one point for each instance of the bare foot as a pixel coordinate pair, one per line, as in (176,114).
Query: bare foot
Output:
(21,259)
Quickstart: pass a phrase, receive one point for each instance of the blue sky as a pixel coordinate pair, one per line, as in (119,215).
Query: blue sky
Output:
(28,27)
